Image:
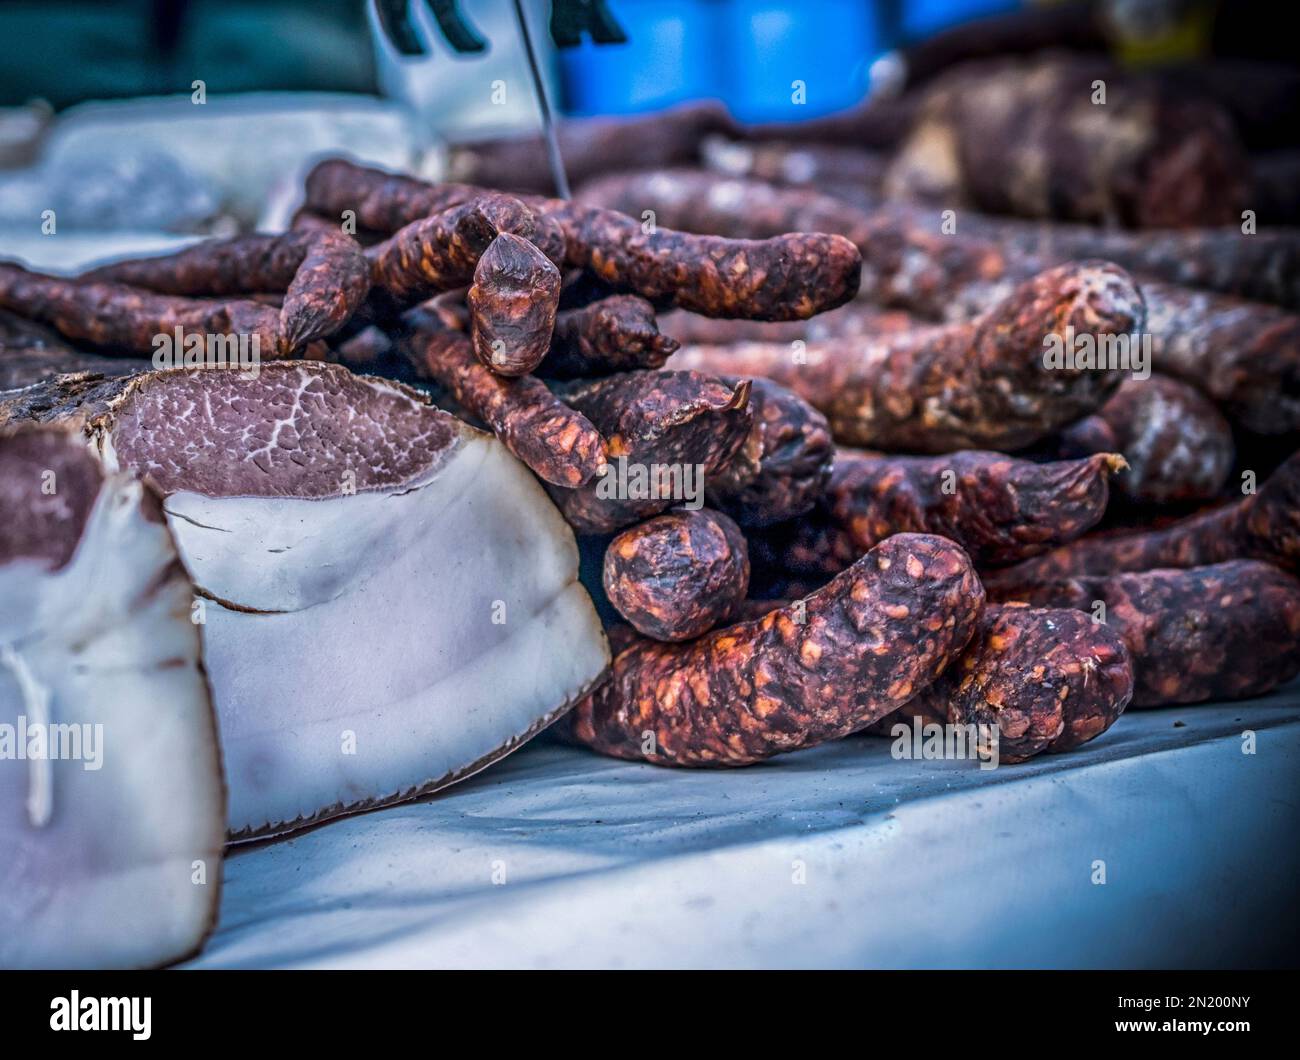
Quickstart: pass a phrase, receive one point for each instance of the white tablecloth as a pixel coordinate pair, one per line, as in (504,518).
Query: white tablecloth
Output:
(839,856)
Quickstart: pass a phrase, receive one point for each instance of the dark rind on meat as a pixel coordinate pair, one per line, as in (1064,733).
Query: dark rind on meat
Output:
(75,400)
(49,482)
(853,652)
(34,353)
(24,367)
(1226,631)
(678,575)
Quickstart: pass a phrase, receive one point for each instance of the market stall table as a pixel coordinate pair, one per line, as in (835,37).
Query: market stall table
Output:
(839,856)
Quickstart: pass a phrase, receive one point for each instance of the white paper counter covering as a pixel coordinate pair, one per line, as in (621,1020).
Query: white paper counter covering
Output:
(906,864)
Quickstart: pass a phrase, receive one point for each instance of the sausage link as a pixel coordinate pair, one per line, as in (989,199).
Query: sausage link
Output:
(784,464)
(1263,525)
(1008,136)
(323,274)
(590,146)
(512,304)
(126,320)
(667,433)
(785,277)
(1244,355)
(998,508)
(1263,265)
(1043,680)
(830,665)
(788,277)
(559,444)
(982,384)
(613,334)
(439,253)
(1177,444)
(856,319)
(679,574)
(1225,631)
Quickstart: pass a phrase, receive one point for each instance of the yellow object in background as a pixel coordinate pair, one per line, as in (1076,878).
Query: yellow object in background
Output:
(1157,32)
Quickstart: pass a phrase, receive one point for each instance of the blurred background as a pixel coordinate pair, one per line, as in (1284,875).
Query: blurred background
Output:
(745,53)
(161,118)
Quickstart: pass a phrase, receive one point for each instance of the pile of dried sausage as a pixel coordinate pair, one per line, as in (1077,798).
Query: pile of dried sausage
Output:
(766,586)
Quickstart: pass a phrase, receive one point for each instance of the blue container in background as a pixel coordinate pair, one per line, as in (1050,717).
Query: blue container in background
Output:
(753,54)
(793,59)
(923,17)
(671,56)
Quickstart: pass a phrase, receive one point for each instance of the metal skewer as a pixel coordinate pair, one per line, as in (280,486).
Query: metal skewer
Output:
(548,124)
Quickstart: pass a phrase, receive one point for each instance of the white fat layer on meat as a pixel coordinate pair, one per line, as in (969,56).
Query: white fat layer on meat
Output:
(107,879)
(351,641)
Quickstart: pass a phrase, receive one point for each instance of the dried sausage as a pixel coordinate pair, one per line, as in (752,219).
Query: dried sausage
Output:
(1177,444)
(788,277)
(998,508)
(323,275)
(1042,679)
(1007,137)
(559,444)
(832,664)
(512,305)
(666,433)
(613,334)
(440,252)
(679,574)
(988,383)
(784,464)
(127,320)
(1263,525)
(1225,631)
